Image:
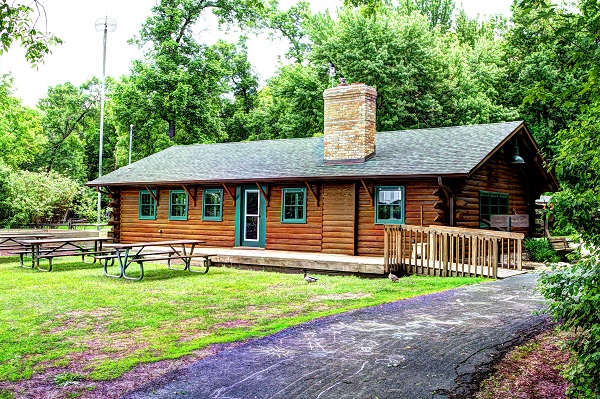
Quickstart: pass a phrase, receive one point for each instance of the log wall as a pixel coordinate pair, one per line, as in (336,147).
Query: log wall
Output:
(291,236)
(219,234)
(496,175)
(339,218)
(422,208)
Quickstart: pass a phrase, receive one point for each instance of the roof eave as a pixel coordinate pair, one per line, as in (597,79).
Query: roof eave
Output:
(550,178)
(281,179)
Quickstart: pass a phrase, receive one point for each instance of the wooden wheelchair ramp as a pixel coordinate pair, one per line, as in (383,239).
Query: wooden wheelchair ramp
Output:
(452,251)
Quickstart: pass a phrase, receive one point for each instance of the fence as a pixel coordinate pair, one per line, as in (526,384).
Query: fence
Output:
(450,251)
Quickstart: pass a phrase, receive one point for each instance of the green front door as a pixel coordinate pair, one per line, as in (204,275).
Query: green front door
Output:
(251,220)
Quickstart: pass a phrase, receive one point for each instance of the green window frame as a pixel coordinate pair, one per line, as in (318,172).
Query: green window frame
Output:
(389,204)
(293,205)
(146,205)
(178,205)
(212,205)
(491,203)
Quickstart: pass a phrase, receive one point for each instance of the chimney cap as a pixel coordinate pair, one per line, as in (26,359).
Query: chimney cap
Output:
(343,82)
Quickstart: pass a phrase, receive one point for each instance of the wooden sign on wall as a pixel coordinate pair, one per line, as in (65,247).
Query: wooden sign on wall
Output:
(504,221)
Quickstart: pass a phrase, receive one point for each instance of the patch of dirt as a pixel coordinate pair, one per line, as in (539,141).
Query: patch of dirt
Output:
(340,297)
(530,371)
(235,324)
(42,386)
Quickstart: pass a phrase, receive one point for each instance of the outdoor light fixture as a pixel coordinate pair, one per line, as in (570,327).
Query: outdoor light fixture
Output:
(516,158)
(103,25)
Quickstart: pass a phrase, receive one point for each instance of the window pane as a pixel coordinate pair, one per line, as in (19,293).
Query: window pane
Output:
(396,211)
(289,213)
(390,196)
(290,198)
(212,198)
(178,204)
(383,213)
(251,232)
(300,212)
(211,211)
(251,203)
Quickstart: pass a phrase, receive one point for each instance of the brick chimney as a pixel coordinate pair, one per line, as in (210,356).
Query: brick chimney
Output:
(349,123)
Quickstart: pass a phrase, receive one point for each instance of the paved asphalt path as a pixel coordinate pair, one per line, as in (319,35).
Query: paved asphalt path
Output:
(434,346)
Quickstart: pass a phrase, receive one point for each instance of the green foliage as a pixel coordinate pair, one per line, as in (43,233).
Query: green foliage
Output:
(540,250)
(424,78)
(39,197)
(288,25)
(21,139)
(17,25)
(573,296)
(578,168)
(181,81)
(70,121)
(292,104)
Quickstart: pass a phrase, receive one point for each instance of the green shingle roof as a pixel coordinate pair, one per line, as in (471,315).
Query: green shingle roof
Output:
(410,153)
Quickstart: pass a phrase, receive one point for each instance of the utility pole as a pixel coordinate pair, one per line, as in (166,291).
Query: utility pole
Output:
(103,25)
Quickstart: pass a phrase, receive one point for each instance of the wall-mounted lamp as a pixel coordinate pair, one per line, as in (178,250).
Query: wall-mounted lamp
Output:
(516,158)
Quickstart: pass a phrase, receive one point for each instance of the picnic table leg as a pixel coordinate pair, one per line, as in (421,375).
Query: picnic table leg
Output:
(127,262)
(49,269)
(121,269)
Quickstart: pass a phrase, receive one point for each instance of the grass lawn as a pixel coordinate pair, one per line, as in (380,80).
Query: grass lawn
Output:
(76,322)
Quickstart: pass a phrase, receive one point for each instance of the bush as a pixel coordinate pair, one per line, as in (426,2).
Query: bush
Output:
(573,297)
(540,250)
(40,197)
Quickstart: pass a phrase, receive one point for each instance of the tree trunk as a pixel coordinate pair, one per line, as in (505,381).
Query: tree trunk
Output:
(171,130)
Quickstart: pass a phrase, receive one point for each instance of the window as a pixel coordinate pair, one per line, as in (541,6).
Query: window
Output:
(146,205)
(178,204)
(293,205)
(389,206)
(212,205)
(491,204)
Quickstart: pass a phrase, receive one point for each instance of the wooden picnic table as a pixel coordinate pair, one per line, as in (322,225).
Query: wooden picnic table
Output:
(171,250)
(49,248)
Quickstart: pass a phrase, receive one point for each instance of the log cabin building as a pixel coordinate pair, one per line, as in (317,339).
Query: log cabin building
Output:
(330,194)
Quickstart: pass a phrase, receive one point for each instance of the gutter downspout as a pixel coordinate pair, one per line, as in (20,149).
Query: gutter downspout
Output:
(450,198)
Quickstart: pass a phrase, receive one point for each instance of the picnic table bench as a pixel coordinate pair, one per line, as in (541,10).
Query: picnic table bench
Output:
(59,247)
(171,250)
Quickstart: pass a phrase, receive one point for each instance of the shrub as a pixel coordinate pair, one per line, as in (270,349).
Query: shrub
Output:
(540,250)
(40,197)
(573,297)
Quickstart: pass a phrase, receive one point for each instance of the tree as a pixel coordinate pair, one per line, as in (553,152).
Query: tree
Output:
(21,139)
(180,77)
(557,48)
(243,87)
(289,26)
(424,77)
(17,25)
(69,121)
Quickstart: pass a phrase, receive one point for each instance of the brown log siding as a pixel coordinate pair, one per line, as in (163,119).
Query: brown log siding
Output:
(496,175)
(291,236)
(419,194)
(338,218)
(133,229)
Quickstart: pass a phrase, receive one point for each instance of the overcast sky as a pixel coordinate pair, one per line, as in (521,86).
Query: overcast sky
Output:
(80,56)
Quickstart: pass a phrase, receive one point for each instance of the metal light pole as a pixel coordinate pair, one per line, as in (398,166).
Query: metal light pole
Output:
(103,25)
(130,141)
